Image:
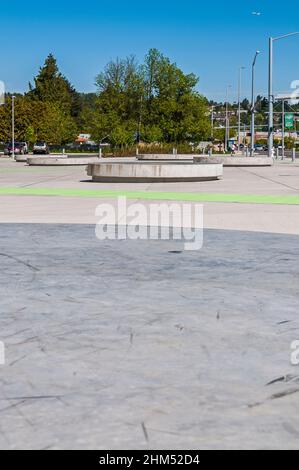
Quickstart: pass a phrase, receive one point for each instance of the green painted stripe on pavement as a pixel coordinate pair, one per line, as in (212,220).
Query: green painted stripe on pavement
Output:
(153,195)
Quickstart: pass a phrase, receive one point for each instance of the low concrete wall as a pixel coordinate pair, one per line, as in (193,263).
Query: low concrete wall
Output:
(235,161)
(21,158)
(153,172)
(164,157)
(24,158)
(226,160)
(61,160)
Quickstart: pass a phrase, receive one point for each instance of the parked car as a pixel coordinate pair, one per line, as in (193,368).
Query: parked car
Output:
(20,148)
(40,147)
(259,148)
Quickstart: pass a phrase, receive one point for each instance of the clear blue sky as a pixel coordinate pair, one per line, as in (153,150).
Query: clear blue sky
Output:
(210,38)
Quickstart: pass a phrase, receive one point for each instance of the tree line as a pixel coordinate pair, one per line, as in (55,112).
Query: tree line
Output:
(154,101)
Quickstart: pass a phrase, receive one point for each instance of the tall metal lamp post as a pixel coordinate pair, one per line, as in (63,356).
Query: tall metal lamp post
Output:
(252,130)
(270,89)
(226,120)
(13,125)
(239,106)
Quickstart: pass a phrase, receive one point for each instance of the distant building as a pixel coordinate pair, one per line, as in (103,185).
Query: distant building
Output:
(85,139)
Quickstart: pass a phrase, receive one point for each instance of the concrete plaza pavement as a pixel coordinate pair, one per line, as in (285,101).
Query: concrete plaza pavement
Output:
(279,180)
(123,345)
(140,344)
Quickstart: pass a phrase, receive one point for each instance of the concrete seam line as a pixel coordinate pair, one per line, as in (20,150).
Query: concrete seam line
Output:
(152,195)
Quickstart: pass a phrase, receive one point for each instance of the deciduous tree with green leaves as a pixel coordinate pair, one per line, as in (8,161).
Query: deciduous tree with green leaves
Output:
(154,99)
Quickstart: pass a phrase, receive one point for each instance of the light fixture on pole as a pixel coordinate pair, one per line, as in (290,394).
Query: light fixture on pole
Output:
(226,120)
(282,129)
(13,125)
(212,121)
(239,106)
(252,130)
(270,90)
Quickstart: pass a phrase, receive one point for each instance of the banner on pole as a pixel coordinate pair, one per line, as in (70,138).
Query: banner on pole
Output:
(289,120)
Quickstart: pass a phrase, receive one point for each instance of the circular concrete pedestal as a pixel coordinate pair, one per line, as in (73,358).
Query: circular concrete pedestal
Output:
(164,157)
(21,158)
(154,171)
(227,160)
(61,160)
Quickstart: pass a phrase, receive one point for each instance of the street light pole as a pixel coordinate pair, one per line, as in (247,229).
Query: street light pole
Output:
(270,90)
(226,120)
(253,106)
(13,126)
(212,122)
(283,130)
(270,100)
(239,107)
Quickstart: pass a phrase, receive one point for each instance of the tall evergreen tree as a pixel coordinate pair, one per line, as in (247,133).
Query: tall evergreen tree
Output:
(50,86)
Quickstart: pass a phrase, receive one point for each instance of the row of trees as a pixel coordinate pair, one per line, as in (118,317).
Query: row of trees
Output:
(152,101)
(36,120)
(48,111)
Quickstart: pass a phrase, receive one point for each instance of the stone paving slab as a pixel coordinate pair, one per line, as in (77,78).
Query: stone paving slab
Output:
(281,179)
(258,189)
(106,339)
(273,218)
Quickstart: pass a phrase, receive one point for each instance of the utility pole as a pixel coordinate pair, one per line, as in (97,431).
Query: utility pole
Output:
(270,100)
(226,120)
(239,106)
(13,126)
(270,90)
(282,133)
(253,106)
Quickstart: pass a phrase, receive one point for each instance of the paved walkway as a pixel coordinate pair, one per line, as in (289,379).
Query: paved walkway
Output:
(105,340)
(254,199)
(122,344)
